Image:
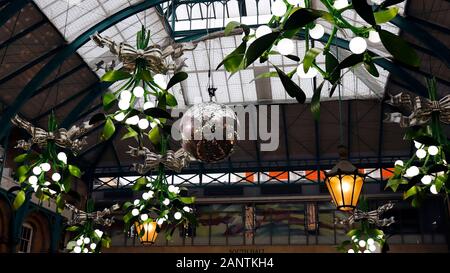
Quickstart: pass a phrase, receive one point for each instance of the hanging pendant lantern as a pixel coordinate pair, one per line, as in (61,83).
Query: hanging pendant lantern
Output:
(344,182)
(149,233)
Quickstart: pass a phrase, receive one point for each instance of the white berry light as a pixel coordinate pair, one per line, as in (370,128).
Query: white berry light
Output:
(143,123)
(138,91)
(62,157)
(135,212)
(433,150)
(417,144)
(426,179)
(285,46)
(398,163)
(45,167)
(166,202)
(134,120)
(125,95)
(340,4)
(144,217)
(317,32)
(177,215)
(433,189)
(124,105)
(421,153)
(312,72)
(119,117)
(56,177)
(362,243)
(370,241)
(77,249)
(37,170)
(32,179)
(358,45)
(412,171)
(350,251)
(278,8)
(262,30)
(374,37)
(372,248)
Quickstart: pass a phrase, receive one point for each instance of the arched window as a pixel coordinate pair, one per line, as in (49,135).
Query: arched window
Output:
(26,237)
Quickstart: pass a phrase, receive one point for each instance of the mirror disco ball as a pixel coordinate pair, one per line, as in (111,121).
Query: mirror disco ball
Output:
(209,131)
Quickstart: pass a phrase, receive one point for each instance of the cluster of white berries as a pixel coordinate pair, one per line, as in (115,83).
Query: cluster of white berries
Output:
(84,244)
(421,153)
(174,189)
(366,246)
(33,180)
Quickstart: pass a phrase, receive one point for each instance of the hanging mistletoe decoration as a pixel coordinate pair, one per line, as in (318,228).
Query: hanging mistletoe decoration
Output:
(427,170)
(89,239)
(366,237)
(44,168)
(292,19)
(143,101)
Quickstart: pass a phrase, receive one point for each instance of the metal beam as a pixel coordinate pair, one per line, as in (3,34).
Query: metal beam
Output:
(65,53)
(10,10)
(23,33)
(29,65)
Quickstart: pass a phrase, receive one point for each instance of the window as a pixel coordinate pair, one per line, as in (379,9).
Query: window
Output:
(26,237)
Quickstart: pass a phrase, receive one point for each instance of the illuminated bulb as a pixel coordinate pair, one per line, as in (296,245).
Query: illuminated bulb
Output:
(87,240)
(370,241)
(85,250)
(340,4)
(119,117)
(412,171)
(279,8)
(138,91)
(99,233)
(32,179)
(421,153)
(398,163)
(362,243)
(124,105)
(418,145)
(45,167)
(374,37)
(37,170)
(160,80)
(143,124)
(144,217)
(46,183)
(79,242)
(433,189)
(62,157)
(355,240)
(367,251)
(145,196)
(358,45)
(77,249)
(135,212)
(125,95)
(372,248)
(285,46)
(262,30)
(134,120)
(186,209)
(148,104)
(433,150)
(426,179)
(150,194)
(136,202)
(301,3)
(312,72)
(317,31)
(56,177)
(177,215)
(160,221)
(359,251)
(166,202)
(93,246)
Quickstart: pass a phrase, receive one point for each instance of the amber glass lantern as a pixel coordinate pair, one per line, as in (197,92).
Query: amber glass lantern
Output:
(344,182)
(149,234)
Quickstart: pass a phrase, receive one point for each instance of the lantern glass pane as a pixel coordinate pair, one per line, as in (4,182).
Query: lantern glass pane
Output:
(150,233)
(346,196)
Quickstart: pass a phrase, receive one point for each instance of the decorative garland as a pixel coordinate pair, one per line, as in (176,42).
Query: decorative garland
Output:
(427,170)
(295,17)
